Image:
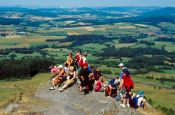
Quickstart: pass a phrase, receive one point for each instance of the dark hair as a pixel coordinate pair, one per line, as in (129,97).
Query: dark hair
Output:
(70,54)
(66,65)
(126,71)
(79,51)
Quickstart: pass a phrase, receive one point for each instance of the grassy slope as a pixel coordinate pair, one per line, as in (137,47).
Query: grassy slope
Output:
(21,91)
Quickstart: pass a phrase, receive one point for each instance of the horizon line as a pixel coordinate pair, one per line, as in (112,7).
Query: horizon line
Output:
(34,6)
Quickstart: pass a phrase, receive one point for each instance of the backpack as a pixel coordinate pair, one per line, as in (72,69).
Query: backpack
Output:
(128,83)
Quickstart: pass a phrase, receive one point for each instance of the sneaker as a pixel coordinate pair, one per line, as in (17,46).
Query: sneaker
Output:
(108,96)
(127,105)
(52,88)
(122,105)
(61,90)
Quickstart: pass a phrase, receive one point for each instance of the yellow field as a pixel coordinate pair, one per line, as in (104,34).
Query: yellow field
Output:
(20,41)
(127,27)
(73,33)
(88,28)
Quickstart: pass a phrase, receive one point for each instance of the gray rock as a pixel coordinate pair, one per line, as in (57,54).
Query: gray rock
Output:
(71,102)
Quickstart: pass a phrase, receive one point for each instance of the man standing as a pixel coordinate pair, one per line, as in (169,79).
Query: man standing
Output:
(84,77)
(122,66)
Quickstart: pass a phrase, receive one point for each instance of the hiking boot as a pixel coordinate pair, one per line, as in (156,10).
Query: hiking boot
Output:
(122,105)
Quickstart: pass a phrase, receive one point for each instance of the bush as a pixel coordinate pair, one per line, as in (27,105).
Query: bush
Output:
(148,43)
(128,40)
(165,110)
(173,86)
(150,101)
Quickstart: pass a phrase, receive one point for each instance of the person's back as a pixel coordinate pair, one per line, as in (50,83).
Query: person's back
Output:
(98,86)
(69,60)
(112,83)
(84,72)
(84,77)
(127,82)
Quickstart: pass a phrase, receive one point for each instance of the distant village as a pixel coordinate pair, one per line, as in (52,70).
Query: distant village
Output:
(9,32)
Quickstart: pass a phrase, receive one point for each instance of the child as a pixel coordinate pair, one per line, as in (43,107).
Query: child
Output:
(98,86)
(71,79)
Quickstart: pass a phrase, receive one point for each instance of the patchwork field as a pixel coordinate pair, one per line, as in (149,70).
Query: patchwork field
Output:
(147,48)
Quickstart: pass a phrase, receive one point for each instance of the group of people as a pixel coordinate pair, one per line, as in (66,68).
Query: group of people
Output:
(90,78)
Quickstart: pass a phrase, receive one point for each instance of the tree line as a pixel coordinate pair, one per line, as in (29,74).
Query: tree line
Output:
(24,68)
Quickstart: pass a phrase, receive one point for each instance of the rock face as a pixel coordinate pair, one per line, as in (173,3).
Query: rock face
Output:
(72,102)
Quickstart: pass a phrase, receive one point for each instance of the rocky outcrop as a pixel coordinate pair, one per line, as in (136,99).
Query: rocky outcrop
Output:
(72,102)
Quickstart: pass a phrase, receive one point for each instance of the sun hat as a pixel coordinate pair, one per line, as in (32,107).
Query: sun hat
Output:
(71,68)
(60,66)
(121,65)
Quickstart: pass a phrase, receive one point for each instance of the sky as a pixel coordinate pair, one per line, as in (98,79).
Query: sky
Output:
(86,3)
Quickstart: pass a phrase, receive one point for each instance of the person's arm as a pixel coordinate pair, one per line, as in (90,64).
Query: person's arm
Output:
(121,84)
(74,75)
(71,60)
(82,78)
(61,73)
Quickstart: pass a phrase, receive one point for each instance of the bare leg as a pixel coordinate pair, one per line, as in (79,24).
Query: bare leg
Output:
(63,88)
(81,88)
(124,101)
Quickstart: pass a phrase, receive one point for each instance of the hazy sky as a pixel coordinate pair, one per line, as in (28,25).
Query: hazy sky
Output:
(86,3)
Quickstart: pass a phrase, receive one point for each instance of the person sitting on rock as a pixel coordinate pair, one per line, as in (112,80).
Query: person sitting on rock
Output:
(91,80)
(97,73)
(61,77)
(112,87)
(69,60)
(127,84)
(138,100)
(71,78)
(99,86)
(54,70)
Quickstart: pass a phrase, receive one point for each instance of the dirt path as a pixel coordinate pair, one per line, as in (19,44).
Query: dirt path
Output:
(71,102)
